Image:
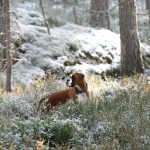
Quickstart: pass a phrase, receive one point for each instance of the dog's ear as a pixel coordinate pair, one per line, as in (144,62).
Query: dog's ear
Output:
(73,78)
(82,76)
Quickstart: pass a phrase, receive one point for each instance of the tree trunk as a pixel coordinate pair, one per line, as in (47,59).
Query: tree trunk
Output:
(2,36)
(130,46)
(147,4)
(148,8)
(99,14)
(75,12)
(149,23)
(46,22)
(7,45)
(1,21)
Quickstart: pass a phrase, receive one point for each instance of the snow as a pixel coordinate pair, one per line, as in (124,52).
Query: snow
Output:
(26,73)
(51,52)
(89,68)
(69,47)
(145,49)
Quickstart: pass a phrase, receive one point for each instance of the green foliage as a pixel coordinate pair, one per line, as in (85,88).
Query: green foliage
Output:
(59,133)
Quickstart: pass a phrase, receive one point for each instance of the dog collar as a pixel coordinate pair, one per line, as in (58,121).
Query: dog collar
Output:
(79,90)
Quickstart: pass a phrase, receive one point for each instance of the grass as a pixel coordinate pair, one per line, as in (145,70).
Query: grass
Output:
(116,117)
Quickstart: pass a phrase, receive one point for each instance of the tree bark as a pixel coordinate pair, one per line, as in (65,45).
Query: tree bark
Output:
(2,36)
(148,8)
(1,21)
(131,61)
(147,4)
(99,14)
(7,42)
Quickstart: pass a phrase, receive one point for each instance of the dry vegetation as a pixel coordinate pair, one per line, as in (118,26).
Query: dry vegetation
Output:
(116,117)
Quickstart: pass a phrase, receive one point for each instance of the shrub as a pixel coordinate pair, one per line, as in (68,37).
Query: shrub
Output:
(58,133)
(117,118)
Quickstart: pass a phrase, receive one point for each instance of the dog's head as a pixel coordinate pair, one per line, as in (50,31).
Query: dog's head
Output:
(77,80)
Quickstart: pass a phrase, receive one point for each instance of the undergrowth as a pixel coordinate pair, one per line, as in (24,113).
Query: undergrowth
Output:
(117,116)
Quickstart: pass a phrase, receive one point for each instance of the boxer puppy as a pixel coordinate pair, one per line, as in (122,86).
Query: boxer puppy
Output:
(78,85)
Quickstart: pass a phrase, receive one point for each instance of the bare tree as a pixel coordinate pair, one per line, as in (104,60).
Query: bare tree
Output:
(5,40)
(43,12)
(2,36)
(8,48)
(99,14)
(75,12)
(130,46)
(1,20)
(148,8)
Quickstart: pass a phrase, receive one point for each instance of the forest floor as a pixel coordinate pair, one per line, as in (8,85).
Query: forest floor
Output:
(117,116)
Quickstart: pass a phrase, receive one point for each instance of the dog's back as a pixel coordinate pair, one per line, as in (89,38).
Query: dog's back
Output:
(58,98)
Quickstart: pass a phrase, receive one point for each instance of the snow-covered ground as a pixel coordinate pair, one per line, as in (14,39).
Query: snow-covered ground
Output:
(69,47)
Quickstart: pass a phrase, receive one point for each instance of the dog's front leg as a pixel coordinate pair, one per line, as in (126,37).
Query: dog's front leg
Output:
(87,94)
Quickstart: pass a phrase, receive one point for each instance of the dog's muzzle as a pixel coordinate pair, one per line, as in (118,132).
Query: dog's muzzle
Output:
(69,83)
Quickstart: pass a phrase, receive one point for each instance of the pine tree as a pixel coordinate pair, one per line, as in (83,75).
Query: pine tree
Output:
(99,14)
(5,40)
(130,46)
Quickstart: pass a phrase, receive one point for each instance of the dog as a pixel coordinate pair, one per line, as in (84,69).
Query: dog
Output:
(76,84)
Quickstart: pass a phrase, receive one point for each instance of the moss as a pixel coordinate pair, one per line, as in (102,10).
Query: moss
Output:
(108,59)
(93,59)
(72,47)
(88,55)
(71,63)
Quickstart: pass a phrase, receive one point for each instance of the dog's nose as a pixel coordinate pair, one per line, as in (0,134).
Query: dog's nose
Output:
(68,82)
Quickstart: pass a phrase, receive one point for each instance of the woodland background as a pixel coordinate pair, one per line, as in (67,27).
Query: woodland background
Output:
(52,38)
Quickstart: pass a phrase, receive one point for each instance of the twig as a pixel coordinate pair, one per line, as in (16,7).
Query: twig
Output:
(46,22)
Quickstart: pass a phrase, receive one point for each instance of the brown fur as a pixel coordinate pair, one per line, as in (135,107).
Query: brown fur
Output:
(62,97)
